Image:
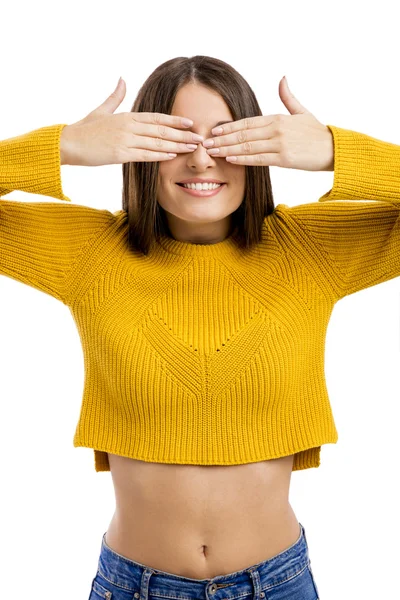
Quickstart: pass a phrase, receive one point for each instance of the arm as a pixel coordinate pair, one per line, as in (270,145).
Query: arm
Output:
(355,244)
(364,168)
(41,243)
(31,163)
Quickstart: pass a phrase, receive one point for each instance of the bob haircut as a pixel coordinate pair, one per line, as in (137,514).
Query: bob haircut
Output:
(146,218)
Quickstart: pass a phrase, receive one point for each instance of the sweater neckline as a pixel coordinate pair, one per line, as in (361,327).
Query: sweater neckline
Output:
(173,246)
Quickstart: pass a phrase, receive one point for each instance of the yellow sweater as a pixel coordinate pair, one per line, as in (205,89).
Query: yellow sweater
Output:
(204,354)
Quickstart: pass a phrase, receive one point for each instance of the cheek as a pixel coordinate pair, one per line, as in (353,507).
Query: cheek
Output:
(162,180)
(162,171)
(236,173)
(165,174)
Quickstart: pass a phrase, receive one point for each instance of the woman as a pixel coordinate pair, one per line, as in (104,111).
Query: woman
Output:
(202,313)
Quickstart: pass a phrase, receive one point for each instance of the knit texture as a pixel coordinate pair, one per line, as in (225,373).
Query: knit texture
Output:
(204,354)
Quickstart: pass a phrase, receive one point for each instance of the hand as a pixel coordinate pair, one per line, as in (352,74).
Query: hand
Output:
(102,138)
(295,141)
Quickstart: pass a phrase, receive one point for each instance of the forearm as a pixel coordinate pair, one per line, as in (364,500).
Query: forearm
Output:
(31,163)
(364,168)
(65,147)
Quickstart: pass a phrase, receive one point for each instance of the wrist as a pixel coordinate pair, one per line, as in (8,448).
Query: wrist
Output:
(64,146)
(330,151)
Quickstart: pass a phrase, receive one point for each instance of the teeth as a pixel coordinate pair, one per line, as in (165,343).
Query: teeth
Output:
(201,186)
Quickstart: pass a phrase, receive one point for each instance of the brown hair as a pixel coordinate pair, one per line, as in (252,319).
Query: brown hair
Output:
(146,218)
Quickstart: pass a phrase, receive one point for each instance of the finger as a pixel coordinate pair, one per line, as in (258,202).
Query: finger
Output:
(142,142)
(246,123)
(247,148)
(271,159)
(289,99)
(141,155)
(263,131)
(164,133)
(156,120)
(111,104)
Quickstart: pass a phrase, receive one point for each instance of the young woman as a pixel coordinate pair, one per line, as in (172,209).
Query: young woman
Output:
(202,310)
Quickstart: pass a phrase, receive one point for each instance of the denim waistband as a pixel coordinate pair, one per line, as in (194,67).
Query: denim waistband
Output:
(142,580)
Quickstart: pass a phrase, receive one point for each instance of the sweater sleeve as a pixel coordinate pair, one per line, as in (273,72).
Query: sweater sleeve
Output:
(364,168)
(40,242)
(356,243)
(32,163)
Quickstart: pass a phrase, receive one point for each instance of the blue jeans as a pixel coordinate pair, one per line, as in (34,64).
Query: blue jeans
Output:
(286,576)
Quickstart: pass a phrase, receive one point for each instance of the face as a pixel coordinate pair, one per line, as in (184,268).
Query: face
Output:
(201,220)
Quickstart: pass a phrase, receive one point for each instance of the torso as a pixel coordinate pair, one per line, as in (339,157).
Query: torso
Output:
(201,521)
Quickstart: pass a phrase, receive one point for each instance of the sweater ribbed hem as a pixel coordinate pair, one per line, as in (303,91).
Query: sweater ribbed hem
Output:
(357,154)
(32,163)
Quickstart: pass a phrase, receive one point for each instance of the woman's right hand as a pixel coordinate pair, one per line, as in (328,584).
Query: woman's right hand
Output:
(102,138)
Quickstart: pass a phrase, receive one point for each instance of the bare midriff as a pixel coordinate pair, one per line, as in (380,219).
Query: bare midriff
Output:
(201,521)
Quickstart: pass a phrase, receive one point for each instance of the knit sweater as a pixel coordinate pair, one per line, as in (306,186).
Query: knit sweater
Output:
(204,354)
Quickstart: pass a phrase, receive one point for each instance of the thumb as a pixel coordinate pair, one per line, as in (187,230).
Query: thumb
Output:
(288,99)
(114,99)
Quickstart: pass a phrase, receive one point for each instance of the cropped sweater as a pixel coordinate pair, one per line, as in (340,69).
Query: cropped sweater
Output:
(204,354)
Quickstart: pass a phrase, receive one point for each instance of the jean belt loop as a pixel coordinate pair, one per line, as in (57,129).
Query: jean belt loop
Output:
(144,584)
(255,576)
(304,533)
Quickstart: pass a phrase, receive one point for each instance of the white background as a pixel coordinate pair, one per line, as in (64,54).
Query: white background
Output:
(59,62)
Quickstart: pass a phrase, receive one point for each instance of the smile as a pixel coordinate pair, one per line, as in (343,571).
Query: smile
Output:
(201,193)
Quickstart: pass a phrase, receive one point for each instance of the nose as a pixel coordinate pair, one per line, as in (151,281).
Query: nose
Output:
(200,156)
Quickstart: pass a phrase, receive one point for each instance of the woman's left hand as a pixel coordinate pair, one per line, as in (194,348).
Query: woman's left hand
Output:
(295,141)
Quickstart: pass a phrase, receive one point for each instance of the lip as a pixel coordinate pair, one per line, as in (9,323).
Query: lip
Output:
(202,193)
(199,180)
